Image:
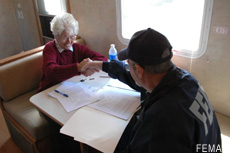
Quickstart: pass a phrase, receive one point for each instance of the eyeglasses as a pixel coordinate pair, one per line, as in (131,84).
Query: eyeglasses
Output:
(127,68)
(71,38)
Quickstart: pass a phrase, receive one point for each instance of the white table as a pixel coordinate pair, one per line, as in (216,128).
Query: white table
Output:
(53,109)
(102,123)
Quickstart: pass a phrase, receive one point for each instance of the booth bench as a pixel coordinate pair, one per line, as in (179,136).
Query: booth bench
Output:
(19,80)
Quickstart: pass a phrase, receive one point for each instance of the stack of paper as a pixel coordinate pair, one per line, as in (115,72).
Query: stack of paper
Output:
(95,128)
(118,102)
(75,95)
(103,121)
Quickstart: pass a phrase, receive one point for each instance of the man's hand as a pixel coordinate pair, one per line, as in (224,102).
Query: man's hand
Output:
(92,65)
(88,67)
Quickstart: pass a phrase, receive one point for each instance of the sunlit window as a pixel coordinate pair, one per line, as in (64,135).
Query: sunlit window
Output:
(184,22)
(51,7)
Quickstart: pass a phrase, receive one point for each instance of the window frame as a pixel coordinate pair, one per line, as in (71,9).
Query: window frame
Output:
(205,29)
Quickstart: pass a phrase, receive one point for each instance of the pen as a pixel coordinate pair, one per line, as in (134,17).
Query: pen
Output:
(61,93)
(121,88)
(104,76)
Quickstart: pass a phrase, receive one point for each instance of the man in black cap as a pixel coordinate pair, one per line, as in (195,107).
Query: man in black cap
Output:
(175,115)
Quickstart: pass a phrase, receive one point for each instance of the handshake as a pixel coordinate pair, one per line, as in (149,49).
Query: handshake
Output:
(88,67)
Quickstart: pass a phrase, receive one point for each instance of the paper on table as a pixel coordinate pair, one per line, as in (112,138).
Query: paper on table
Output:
(118,84)
(95,128)
(79,95)
(118,102)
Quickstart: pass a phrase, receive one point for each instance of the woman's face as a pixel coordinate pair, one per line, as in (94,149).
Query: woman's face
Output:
(66,39)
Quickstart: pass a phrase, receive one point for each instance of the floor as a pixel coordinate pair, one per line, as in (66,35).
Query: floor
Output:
(8,146)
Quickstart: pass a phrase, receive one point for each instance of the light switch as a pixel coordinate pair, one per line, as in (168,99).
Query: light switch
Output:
(20,15)
(19,5)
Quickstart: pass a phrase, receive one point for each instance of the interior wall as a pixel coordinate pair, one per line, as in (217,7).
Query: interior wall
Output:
(10,40)
(97,21)
(27,24)
(18,27)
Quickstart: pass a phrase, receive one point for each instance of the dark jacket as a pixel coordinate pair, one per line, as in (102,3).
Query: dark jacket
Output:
(176,117)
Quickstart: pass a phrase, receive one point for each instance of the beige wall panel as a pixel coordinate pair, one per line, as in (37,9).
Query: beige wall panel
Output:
(10,40)
(27,24)
(217,60)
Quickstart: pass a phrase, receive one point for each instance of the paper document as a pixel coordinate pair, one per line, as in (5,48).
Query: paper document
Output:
(95,128)
(118,102)
(115,83)
(75,95)
(102,123)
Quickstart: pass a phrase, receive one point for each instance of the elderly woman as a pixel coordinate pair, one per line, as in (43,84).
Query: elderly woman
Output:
(62,58)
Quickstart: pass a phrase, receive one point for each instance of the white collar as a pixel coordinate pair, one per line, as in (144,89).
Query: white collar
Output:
(61,49)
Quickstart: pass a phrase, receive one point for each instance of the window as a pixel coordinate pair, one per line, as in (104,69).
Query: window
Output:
(185,23)
(51,7)
(46,10)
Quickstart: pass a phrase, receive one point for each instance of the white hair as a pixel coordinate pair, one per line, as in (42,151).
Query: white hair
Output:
(63,22)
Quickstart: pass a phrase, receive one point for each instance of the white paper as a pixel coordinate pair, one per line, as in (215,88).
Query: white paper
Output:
(118,102)
(115,83)
(95,128)
(79,95)
(98,126)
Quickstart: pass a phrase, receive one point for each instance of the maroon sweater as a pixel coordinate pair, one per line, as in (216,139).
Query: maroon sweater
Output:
(58,67)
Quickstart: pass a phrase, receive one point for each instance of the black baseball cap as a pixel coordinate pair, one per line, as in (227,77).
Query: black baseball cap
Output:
(146,47)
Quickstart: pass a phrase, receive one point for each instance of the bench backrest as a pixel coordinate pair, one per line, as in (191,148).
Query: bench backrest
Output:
(20,73)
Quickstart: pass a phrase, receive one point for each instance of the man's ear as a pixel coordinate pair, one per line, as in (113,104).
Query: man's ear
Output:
(139,71)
